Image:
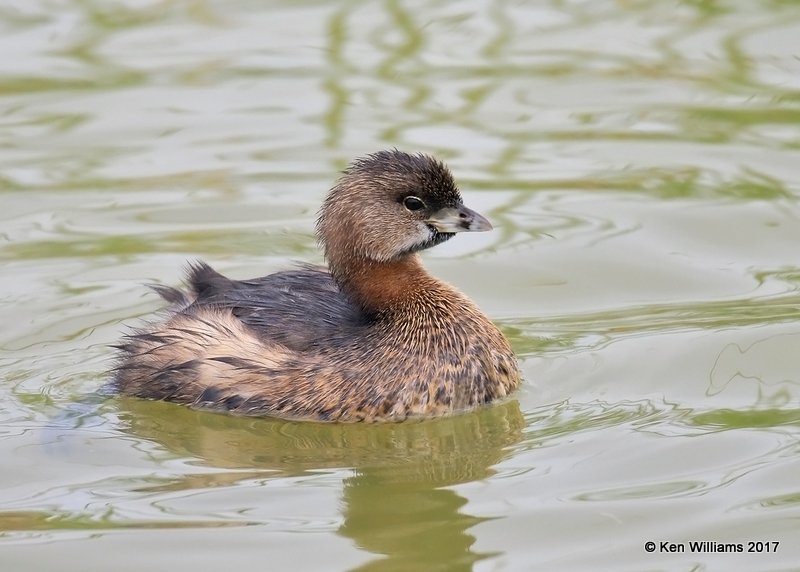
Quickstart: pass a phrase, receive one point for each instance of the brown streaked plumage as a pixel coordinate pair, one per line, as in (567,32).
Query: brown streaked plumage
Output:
(372,337)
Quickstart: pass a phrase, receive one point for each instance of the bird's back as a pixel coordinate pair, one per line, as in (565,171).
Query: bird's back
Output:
(299,309)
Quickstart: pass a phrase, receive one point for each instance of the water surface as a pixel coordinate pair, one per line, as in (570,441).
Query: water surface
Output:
(639,160)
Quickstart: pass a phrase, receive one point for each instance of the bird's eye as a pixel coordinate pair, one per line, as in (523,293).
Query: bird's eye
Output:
(413,203)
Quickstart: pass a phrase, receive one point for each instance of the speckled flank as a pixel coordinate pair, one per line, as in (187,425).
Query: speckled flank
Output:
(376,338)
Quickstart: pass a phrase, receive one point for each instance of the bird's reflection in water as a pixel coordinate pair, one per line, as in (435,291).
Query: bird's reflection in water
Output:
(395,504)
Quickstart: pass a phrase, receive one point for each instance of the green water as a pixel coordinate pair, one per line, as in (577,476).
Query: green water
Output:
(639,160)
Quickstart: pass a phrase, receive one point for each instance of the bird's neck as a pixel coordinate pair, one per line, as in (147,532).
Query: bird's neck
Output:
(380,287)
